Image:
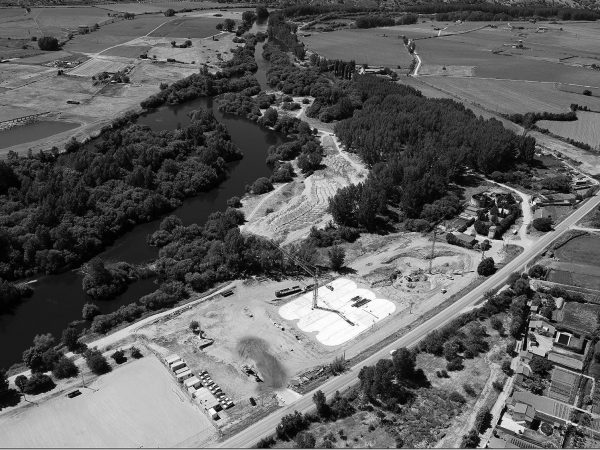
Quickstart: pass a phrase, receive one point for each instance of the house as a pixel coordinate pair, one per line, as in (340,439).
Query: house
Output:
(545,408)
(492,232)
(83,29)
(559,199)
(523,413)
(465,239)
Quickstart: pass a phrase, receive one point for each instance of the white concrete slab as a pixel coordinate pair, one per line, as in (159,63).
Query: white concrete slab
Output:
(331,328)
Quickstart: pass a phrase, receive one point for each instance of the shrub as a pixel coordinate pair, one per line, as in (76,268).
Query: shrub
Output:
(267,442)
(469,390)
(48,43)
(506,367)
(261,186)
(305,440)
(90,311)
(38,384)
(540,366)
(234,202)
(96,361)
(471,439)
(498,385)
(537,271)
(455,364)
(119,356)
(496,323)
(486,267)
(135,352)
(169,12)
(587,92)
(543,224)
(64,368)
(337,255)
(457,397)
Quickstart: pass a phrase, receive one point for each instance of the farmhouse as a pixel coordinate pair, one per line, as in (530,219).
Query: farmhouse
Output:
(523,413)
(543,407)
(465,239)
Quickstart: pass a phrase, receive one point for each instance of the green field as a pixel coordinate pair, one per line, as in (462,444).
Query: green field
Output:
(115,33)
(16,23)
(189,27)
(585,129)
(581,250)
(507,97)
(363,46)
(578,263)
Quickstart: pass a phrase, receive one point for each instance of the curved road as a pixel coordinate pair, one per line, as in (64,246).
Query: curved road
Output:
(266,426)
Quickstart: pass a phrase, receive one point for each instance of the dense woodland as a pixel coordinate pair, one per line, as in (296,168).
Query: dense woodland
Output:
(416,147)
(59,210)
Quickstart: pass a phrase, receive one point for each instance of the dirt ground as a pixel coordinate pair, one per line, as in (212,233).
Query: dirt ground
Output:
(139,404)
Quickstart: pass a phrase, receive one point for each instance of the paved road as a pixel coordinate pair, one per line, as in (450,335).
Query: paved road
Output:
(266,426)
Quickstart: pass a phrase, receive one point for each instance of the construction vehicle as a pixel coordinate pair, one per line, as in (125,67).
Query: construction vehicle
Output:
(251,372)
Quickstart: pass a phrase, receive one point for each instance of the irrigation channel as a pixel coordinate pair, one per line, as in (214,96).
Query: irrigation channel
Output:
(58,299)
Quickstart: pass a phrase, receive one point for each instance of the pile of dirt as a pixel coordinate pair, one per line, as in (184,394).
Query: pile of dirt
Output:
(272,371)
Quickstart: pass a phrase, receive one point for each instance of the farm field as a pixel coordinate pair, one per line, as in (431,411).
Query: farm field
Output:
(159,6)
(364,46)
(115,34)
(197,27)
(139,404)
(580,316)
(16,23)
(585,129)
(507,97)
(581,250)
(537,61)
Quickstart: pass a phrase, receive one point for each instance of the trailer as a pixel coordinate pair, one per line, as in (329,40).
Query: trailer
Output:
(288,291)
(177,365)
(192,382)
(185,375)
(183,369)
(171,359)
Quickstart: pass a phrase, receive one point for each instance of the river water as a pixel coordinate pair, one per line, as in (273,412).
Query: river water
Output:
(58,299)
(21,134)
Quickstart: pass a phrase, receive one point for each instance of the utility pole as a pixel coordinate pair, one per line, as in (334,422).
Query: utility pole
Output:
(432,250)
(315,287)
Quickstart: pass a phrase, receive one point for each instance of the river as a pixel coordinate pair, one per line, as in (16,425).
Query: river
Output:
(58,299)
